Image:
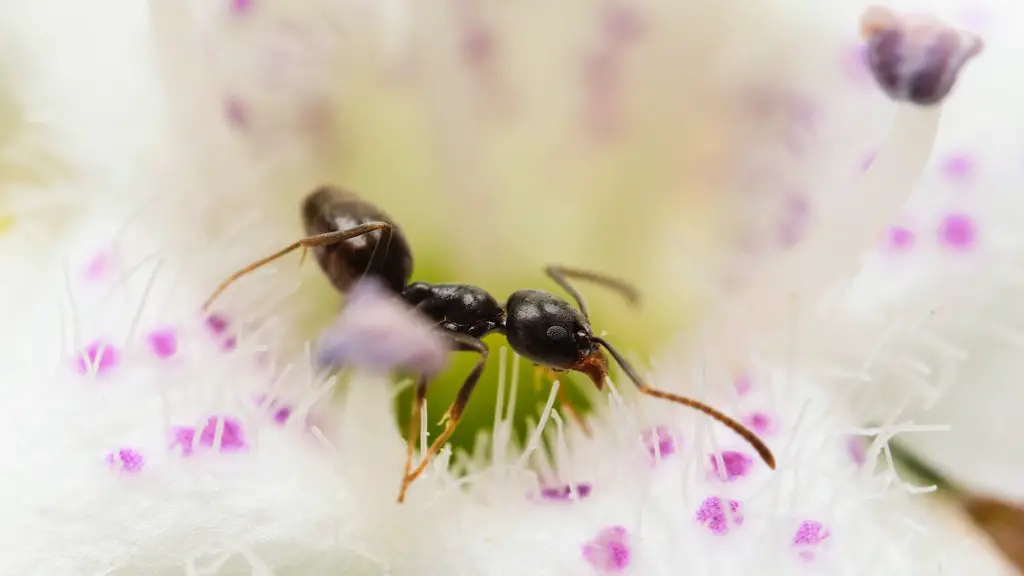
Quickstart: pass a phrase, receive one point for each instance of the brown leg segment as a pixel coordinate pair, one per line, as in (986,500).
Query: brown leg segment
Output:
(454,413)
(324,239)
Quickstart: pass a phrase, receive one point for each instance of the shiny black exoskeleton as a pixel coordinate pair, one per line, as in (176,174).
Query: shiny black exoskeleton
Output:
(352,238)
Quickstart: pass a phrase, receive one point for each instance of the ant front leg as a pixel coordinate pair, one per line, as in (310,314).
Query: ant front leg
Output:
(324,239)
(562,274)
(539,373)
(451,418)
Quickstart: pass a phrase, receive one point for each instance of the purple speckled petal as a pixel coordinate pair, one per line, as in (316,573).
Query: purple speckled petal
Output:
(659,441)
(564,493)
(608,552)
(98,356)
(377,331)
(163,342)
(736,464)
(712,514)
(126,460)
(958,231)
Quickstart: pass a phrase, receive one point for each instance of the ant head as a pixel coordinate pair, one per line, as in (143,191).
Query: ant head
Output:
(549,331)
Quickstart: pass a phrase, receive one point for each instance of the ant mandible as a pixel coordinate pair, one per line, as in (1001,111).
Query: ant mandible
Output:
(344,232)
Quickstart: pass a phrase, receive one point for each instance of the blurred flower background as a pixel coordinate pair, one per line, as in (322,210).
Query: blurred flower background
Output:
(685,146)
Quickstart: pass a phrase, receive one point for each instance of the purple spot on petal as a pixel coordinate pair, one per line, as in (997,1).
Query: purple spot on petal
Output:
(713,515)
(794,221)
(217,324)
(867,161)
(958,167)
(231,436)
(231,439)
(564,493)
(736,464)
(282,414)
(97,267)
(809,535)
(958,231)
(900,238)
(609,552)
(126,460)
(742,385)
(622,24)
(99,357)
(855,448)
(659,440)
(163,342)
(760,423)
(236,112)
(241,6)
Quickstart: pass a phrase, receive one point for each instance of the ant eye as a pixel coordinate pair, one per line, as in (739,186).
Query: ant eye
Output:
(557,333)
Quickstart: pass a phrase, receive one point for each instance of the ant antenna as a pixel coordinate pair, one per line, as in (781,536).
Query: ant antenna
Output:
(762,449)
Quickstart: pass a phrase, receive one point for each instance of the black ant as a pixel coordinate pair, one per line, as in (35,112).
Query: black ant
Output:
(344,232)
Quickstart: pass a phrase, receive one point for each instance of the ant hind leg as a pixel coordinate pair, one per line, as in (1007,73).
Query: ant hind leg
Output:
(324,239)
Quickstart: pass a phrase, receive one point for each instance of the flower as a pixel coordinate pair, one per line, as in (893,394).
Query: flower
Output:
(203,442)
(167,463)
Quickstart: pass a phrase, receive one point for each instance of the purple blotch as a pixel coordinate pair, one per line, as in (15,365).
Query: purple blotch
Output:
(712,514)
(126,460)
(281,412)
(241,6)
(736,464)
(855,448)
(231,440)
(163,342)
(564,493)
(958,167)
(900,238)
(810,534)
(609,551)
(760,422)
(97,267)
(659,440)
(217,324)
(622,24)
(742,385)
(98,356)
(958,231)
(867,160)
(236,112)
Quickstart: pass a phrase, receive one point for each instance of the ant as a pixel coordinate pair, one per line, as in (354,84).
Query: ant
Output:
(344,232)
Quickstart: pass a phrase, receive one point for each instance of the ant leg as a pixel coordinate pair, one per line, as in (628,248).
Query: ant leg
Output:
(562,274)
(451,418)
(762,449)
(324,239)
(414,421)
(539,372)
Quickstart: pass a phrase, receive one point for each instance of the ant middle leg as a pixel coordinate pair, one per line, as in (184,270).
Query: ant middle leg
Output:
(562,274)
(452,416)
(414,422)
(324,239)
(539,374)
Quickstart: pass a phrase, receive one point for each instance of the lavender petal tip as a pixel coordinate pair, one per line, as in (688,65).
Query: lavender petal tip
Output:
(379,332)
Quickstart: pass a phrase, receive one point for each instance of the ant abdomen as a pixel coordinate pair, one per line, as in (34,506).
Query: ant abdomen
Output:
(382,253)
